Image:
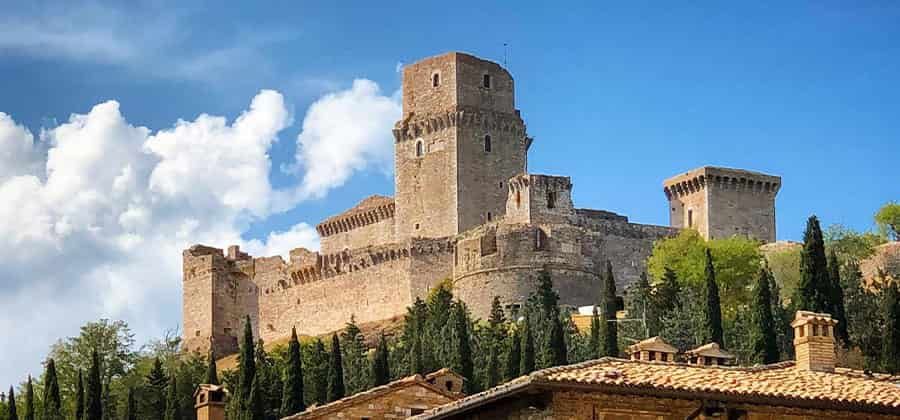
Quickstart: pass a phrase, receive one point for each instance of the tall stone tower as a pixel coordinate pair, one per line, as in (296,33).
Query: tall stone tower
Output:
(461,138)
(722,202)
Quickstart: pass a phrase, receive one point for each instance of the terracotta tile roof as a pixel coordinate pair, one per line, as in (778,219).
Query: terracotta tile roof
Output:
(652,344)
(710,350)
(776,384)
(378,391)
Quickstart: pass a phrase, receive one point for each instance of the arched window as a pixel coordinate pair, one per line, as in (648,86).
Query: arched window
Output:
(420,148)
(487,143)
(435,80)
(487,81)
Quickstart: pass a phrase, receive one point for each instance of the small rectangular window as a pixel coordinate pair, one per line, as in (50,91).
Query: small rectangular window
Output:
(690,218)
(551,199)
(487,81)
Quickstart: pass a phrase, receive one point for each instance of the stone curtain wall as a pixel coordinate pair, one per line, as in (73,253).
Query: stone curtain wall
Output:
(374,234)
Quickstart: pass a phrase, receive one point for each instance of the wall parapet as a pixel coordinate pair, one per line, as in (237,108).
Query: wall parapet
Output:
(722,178)
(369,211)
(413,126)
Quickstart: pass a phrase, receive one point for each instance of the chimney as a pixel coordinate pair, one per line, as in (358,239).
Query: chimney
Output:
(209,400)
(709,355)
(652,349)
(814,341)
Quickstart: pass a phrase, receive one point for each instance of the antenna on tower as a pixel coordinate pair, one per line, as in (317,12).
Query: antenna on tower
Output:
(505,53)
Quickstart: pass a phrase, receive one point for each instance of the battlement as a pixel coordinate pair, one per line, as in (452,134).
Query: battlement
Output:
(698,179)
(371,210)
(535,198)
(414,126)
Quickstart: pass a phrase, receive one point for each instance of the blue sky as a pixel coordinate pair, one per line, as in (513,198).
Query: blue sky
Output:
(619,97)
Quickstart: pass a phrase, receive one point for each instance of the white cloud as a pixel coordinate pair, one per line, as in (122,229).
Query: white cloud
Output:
(281,243)
(17,150)
(343,133)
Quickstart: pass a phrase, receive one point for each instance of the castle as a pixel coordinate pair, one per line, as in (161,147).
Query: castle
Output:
(464,208)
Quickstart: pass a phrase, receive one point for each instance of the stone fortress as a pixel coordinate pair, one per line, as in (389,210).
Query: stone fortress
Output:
(465,208)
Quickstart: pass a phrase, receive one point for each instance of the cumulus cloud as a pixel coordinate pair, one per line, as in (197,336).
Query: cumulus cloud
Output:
(343,133)
(94,215)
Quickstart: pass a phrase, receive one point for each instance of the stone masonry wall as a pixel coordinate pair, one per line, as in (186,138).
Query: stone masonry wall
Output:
(375,234)
(395,404)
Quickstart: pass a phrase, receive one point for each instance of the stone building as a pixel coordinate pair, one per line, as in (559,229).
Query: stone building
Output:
(464,208)
(657,388)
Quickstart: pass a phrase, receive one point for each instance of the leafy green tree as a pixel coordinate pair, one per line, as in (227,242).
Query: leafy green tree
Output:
(317,380)
(155,389)
(93,405)
(713,324)
(11,404)
(891,343)
(212,372)
(381,373)
(762,334)
(864,316)
(336,388)
(850,245)
(246,367)
(255,409)
(639,304)
(357,372)
(683,326)
(513,355)
(461,356)
(608,326)
(784,263)
(269,382)
(52,400)
(130,406)
(29,400)
(292,392)
(79,397)
(528,356)
(813,290)
(173,403)
(888,220)
(595,334)
(836,298)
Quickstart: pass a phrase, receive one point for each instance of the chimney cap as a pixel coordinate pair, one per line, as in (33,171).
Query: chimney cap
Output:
(710,350)
(807,317)
(652,344)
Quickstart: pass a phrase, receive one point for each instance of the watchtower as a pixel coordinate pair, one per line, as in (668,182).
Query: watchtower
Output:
(722,202)
(459,141)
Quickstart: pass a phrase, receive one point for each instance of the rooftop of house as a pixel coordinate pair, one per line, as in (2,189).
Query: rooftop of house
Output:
(775,384)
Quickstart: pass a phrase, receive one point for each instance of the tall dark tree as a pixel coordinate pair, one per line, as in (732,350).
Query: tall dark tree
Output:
(513,355)
(608,326)
(558,351)
(173,403)
(713,311)
(212,372)
(130,406)
(496,320)
(336,388)
(547,296)
(269,382)
(156,391)
(461,353)
(357,369)
(595,333)
(666,295)
(890,353)
(52,401)
(836,299)
(492,370)
(255,409)
(11,404)
(29,400)
(318,377)
(639,304)
(93,398)
(247,367)
(764,341)
(381,371)
(79,397)
(292,393)
(527,362)
(414,333)
(813,290)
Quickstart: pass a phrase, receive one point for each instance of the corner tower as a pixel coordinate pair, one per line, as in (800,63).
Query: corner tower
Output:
(722,202)
(458,143)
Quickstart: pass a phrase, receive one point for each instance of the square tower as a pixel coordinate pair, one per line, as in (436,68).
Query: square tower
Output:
(459,141)
(723,202)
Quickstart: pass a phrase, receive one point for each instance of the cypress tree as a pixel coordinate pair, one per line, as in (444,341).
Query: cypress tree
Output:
(496,320)
(173,404)
(608,325)
(79,397)
(415,356)
(381,373)
(156,386)
(513,356)
(837,299)
(640,305)
(890,345)
(130,408)
(713,312)
(212,374)
(461,356)
(558,352)
(52,400)
(255,409)
(269,381)
(492,370)
(763,335)
(247,367)
(813,288)
(29,400)
(93,404)
(319,375)
(527,362)
(666,295)
(336,389)
(11,405)
(292,393)
(548,298)
(414,334)
(595,334)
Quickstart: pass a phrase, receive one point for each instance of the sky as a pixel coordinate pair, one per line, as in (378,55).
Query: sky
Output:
(131,130)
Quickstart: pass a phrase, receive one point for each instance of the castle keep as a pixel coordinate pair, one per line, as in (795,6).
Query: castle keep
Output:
(464,208)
